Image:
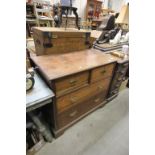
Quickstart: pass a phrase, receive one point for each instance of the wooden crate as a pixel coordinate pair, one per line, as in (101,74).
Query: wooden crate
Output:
(58,40)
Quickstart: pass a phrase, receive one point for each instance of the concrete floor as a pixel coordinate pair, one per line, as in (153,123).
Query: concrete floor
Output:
(104,132)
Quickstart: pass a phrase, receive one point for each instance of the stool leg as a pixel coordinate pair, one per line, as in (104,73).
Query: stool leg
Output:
(61,18)
(66,19)
(77,18)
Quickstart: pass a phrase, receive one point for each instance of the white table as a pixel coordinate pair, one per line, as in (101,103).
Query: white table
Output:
(39,95)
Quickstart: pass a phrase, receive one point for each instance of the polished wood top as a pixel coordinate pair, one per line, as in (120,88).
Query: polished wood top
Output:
(55,66)
(53,29)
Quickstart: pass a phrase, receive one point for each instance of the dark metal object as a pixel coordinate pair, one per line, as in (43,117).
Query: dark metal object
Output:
(43,129)
(65,10)
(87,42)
(108,23)
(48,43)
(106,36)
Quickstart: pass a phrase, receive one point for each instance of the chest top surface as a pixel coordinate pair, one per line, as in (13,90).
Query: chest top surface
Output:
(60,30)
(59,65)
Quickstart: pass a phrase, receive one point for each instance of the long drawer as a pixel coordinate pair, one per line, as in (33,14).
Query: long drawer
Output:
(102,72)
(73,113)
(80,95)
(71,82)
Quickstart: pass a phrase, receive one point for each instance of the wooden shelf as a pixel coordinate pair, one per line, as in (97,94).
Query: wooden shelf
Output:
(93,8)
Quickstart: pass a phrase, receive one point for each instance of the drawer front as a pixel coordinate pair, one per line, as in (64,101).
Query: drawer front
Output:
(80,109)
(102,72)
(71,82)
(80,95)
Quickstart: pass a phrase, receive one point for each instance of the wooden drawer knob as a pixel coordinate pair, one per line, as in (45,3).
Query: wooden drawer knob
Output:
(73,100)
(102,72)
(73,114)
(100,87)
(97,100)
(73,81)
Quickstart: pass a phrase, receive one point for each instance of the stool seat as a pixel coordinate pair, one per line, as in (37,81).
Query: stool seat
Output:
(65,10)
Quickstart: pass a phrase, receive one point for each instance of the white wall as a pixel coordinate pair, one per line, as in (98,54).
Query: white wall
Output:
(81,5)
(105,4)
(117,4)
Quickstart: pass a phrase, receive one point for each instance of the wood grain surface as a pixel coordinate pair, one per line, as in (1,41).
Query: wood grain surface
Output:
(56,66)
(80,95)
(102,72)
(61,40)
(78,110)
(54,29)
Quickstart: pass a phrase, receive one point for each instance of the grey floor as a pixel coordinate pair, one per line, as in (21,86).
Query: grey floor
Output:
(104,132)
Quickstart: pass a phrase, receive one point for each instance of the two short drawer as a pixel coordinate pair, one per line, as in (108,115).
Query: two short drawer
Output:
(82,94)
(71,83)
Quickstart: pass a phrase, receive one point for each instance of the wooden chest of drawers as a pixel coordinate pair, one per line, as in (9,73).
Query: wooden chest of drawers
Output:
(80,81)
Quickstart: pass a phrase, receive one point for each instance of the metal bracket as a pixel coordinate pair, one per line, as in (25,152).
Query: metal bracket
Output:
(87,41)
(49,43)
